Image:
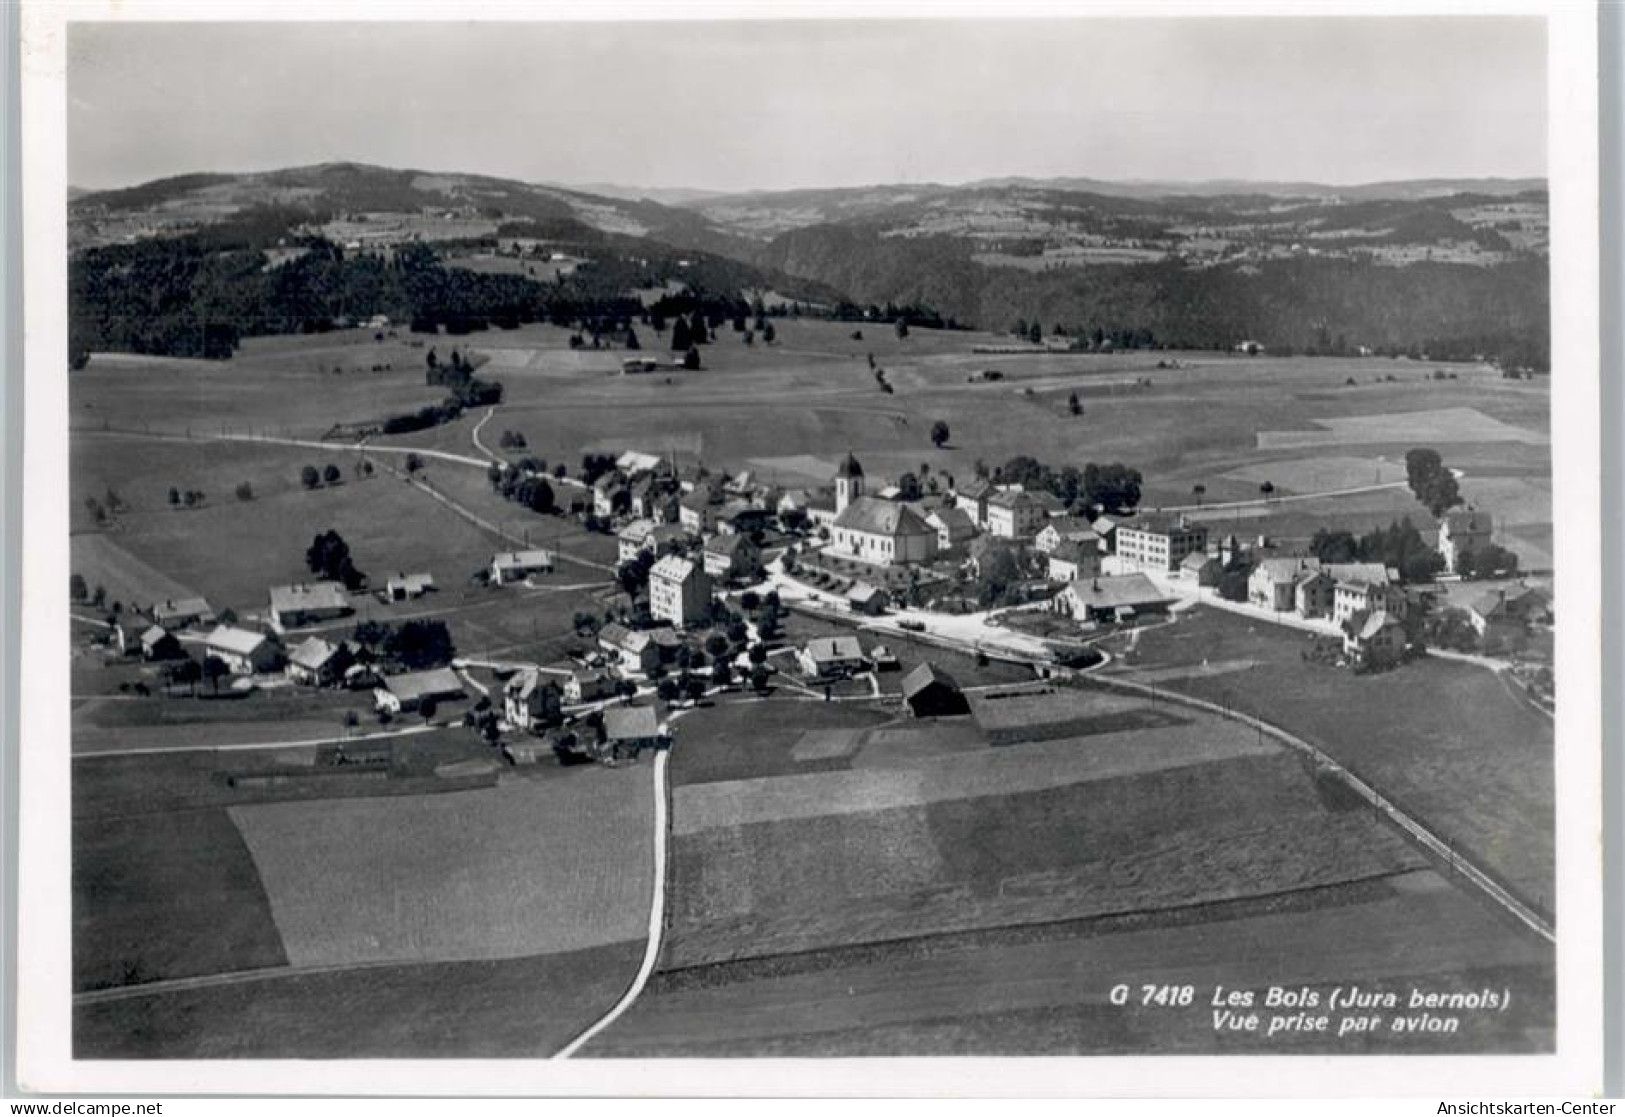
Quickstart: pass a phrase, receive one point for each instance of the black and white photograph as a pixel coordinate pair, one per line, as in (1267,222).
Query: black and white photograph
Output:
(891,537)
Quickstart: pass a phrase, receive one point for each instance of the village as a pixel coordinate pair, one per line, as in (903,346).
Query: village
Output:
(708,565)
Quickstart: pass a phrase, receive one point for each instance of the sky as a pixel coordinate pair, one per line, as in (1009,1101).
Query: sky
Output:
(776,104)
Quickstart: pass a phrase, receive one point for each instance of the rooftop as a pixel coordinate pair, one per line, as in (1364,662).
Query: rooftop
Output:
(1122,591)
(925,675)
(311,595)
(416,685)
(631,723)
(882,517)
(238,641)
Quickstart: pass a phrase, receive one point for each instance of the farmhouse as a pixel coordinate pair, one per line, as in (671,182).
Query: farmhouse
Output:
(1273,582)
(634,651)
(181,612)
(868,599)
(630,729)
(516,566)
(307,603)
(930,692)
(315,662)
(587,686)
(156,643)
(1013,514)
(530,700)
(973,499)
(1105,600)
(611,495)
(829,656)
(1374,638)
(404,587)
(1500,616)
(1066,529)
(1071,561)
(953,526)
(730,556)
(245,652)
(1158,543)
(679,591)
(697,510)
(1462,531)
(401,693)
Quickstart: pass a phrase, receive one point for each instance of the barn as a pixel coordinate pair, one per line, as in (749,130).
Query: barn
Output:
(931,692)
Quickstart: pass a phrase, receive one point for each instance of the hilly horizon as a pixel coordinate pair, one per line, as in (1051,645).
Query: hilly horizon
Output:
(1392,265)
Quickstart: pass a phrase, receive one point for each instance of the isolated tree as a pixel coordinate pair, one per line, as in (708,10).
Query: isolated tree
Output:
(413,463)
(365,467)
(691,359)
(1431,483)
(330,474)
(309,477)
(768,333)
(77,589)
(428,707)
(1267,489)
(632,341)
(432,359)
(908,487)
(1073,405)
(939,434)
(1035,333)
(698,332)
(1021,328)
(245,491)
(902,328)
(757,654)
(680,339)
(174,497)
(758,678)
(1198,491)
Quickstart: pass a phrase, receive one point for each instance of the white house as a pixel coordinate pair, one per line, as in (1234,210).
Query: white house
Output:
(825,656)
(400,693)
(634,651)
(1110,599)
(729,556)
(315,662)
(1013,514)
(1066,529)
(1071,561)
(181,612)
(529,700)
(244,651)
(309,603)
(516,566)
(403,587)
(953,526)
(679,591)
(972,498)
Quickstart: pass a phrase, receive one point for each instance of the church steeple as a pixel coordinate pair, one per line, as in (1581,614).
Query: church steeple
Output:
(848,483)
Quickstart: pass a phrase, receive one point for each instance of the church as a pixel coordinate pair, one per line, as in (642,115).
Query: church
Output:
(880,532)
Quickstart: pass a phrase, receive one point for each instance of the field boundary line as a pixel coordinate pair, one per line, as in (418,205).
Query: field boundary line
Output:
(249,746)
(1430,841)
(657,917)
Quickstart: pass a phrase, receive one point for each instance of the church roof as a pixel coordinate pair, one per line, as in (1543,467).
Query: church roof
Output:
(882,517)
(849,467)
